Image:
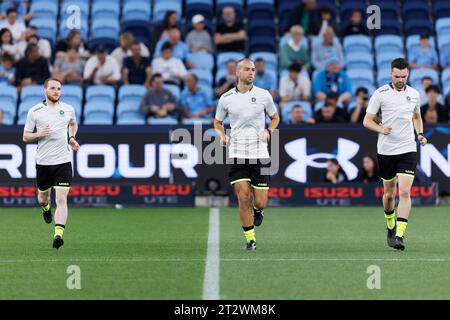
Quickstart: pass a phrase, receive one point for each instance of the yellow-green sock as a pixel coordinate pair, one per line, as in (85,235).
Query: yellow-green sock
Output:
(249,233)
(401,226)
(59,230)
(46,207)
(390,218)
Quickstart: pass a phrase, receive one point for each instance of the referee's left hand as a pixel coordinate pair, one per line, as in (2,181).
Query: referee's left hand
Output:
(423,141)
(74,144)
(265,136)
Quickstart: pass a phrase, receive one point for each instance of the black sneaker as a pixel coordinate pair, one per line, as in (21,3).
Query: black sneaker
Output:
(250,245)
(258,216)
(398,243)
(47,215)
(391,236)
(57,242)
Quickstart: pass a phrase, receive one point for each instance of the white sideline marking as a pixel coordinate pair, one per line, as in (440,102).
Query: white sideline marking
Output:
(211,280)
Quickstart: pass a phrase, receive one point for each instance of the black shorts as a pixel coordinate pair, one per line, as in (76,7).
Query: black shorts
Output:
(59,175)
(399,164)
(250,171)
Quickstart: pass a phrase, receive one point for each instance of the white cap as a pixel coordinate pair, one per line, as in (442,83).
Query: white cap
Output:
(197,19)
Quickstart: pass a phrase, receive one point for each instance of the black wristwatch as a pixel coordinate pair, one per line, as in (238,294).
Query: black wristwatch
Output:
(420,134)
(71,138)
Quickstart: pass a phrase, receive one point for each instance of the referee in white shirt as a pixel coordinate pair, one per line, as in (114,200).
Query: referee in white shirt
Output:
(247,107)
(56,127)
(394,112)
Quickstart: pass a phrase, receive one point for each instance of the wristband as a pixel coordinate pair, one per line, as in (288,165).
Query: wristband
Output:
(420,134)
(71,138)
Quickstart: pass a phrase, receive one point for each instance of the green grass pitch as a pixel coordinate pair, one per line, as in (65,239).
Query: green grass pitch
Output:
(160,253)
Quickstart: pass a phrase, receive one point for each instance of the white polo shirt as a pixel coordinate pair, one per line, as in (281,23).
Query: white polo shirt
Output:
(110,68)
(247,113)
(396,110)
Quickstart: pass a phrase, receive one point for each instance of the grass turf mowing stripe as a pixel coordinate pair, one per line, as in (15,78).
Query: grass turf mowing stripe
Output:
(211,280)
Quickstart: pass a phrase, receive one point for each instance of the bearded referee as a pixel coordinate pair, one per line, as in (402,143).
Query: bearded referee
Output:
(56,128)
(247,107)
(394,112)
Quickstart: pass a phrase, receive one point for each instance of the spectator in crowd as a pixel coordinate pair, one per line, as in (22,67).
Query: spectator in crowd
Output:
(162,31)
(101,68)
(158,102)
(7,70)
(293,51)
(445,62)
(179,48)
(21,6)
(230,34)
(425,56)
(172,69)
(433,111)
(136,69)
(123,51)
(16,27)
(7,45)
(31,36)
(264,79)
(195,101)
(198,39)
(304,15)
(32,69)
(369,170)
(298,116)
(1,116)
(69,69)
(358,113)
(73,40)
(334,173)
(425,83)
(294,86)
(326,21)
(333,79)
(330,112)
(228,81)
(356,25)
(322,51)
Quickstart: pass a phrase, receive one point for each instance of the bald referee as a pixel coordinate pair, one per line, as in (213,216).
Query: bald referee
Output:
(394,112)
(56,127)
(247,107)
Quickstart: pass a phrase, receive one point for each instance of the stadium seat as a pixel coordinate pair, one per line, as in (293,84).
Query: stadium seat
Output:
(98,112)
(8,103)
(358,61)
(33,94)
(105,32)
(389,26)
(270,59)
(357,44)
(261,43)
(252,2)
(140,29)
(205,9)
(8,94)
(72,91)
(204,76)
(23,111)
(165,121)
(445,79)
(208,89)
(261,27)
(389,10)
(383,76)
(413,43)
(136,11)
(442,26)
(384,59)
(441,9)
(260,11)
(416,76)
(160,9)
(100,93)
(174,89)
(202,60)
(284,11)
(128,113)
(46,28)
(219,75)
(287,108)
(443,41)
(222,58)
(76,104)
(132,93)
(418,26)
(388,43)
(238,6)
(415,10)
(44,10)
(64,30)
(348,6)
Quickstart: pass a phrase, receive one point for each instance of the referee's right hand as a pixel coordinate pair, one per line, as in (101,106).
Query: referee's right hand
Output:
(386,130)
(224,140)
(45,131)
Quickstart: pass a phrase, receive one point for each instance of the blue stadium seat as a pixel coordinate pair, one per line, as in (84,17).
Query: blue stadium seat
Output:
(389,26)
(348,6)
(383,76)
(413,42)
(64,30)
(132,93)
(415,10)
(222,58)
(128,113)
(238,6)
(270,59)
(71,91)
(389,43)
(252,2)
(100,93)
(23,111)
(261,43)
(8,94)
(174,89)
(204,76)
(361,78)
(160,8)
(136,10)
(210,2)
(76,104)
(389,10)
(202,60)
(260,11)
(69,7)
(358,61)
(418,26)
(207,88)
(287,108)
(44,10)
(45,29)
(285,9)
(205,9)
(445,79)
(219,75)
(261,27)
(384,59)
(443,26)
(140,29)
(443,41)
(357,44)
(416,76)
(441,8)
(33,93)
(106,32)
(160,121)
(98,112)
